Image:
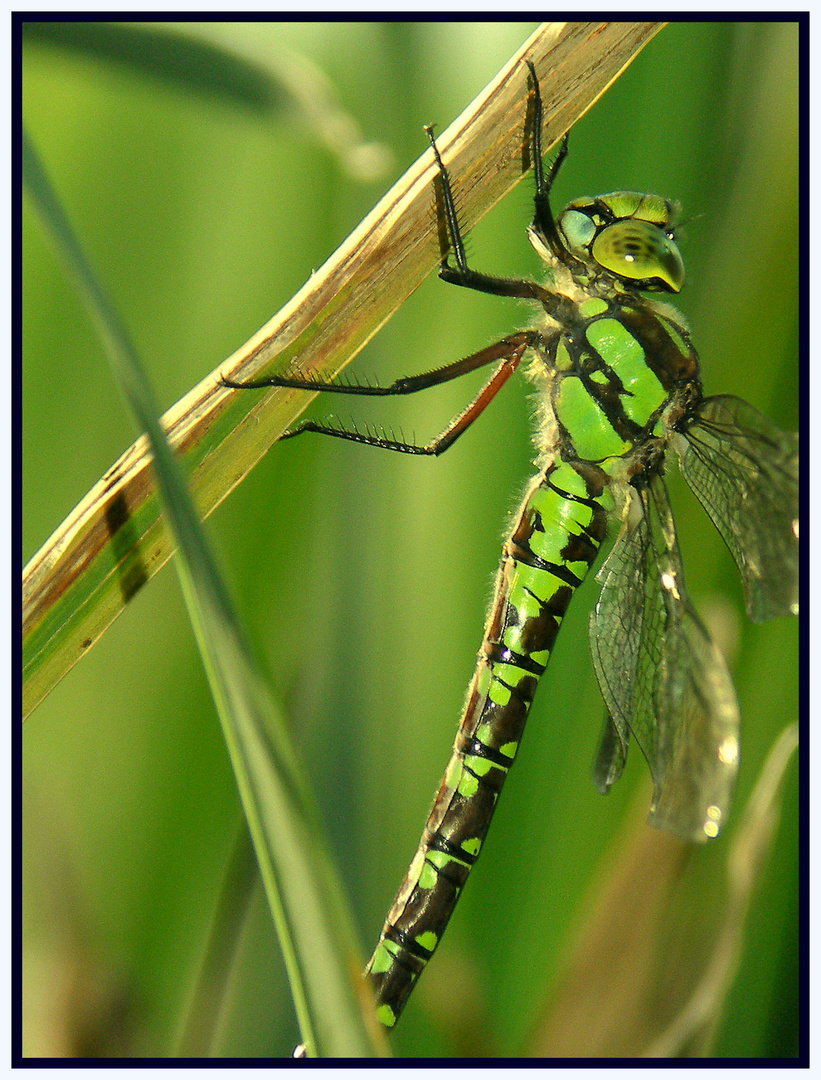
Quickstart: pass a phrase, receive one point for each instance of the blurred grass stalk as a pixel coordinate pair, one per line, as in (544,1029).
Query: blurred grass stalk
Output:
(306,899)
(622,951)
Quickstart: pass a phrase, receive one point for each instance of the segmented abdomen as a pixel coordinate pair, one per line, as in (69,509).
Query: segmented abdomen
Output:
(555,537)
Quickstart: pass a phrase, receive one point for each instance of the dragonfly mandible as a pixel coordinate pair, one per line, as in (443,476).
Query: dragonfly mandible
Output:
(620,395)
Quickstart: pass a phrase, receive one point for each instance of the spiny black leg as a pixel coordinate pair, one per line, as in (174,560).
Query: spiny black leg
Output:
(543,221)
(461,274)
(536,133)
(410,384)
(508,351)
(555,164)
(454,232)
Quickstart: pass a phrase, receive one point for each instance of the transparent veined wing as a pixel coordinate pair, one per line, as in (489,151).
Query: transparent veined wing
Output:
(662,678)
(744,471)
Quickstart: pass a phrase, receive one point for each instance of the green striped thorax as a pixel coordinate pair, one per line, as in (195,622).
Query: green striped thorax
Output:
(623,370)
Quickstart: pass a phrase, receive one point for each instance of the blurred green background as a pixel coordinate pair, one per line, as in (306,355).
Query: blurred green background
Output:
(363,576)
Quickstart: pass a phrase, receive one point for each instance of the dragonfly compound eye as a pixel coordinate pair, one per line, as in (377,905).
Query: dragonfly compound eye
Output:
(639,251)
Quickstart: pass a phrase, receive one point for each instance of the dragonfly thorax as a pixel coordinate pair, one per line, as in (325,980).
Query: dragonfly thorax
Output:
(627,234)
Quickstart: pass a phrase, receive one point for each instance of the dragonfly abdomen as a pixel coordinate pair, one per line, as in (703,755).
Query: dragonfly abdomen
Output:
(555,536)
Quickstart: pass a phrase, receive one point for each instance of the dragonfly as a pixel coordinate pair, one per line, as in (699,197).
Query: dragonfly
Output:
(620,397)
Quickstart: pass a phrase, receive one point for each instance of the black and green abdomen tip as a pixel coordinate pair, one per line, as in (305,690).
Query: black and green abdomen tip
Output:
(555,537)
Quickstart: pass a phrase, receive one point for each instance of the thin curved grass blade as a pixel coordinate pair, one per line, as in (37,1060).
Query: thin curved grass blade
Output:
(304,893)
(191,59)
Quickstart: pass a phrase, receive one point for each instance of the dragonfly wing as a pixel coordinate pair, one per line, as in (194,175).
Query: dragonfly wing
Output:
(744,471)
(661,676)
(615,633)
(611,756)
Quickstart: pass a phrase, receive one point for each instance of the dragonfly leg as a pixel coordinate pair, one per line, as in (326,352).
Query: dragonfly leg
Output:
(510,350)
(461,274)
(544,223)
(410,384)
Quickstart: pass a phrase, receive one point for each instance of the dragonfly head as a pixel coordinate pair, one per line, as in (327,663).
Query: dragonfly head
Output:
(627,234)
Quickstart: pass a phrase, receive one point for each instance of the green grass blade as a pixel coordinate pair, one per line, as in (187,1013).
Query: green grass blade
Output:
(303,892)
